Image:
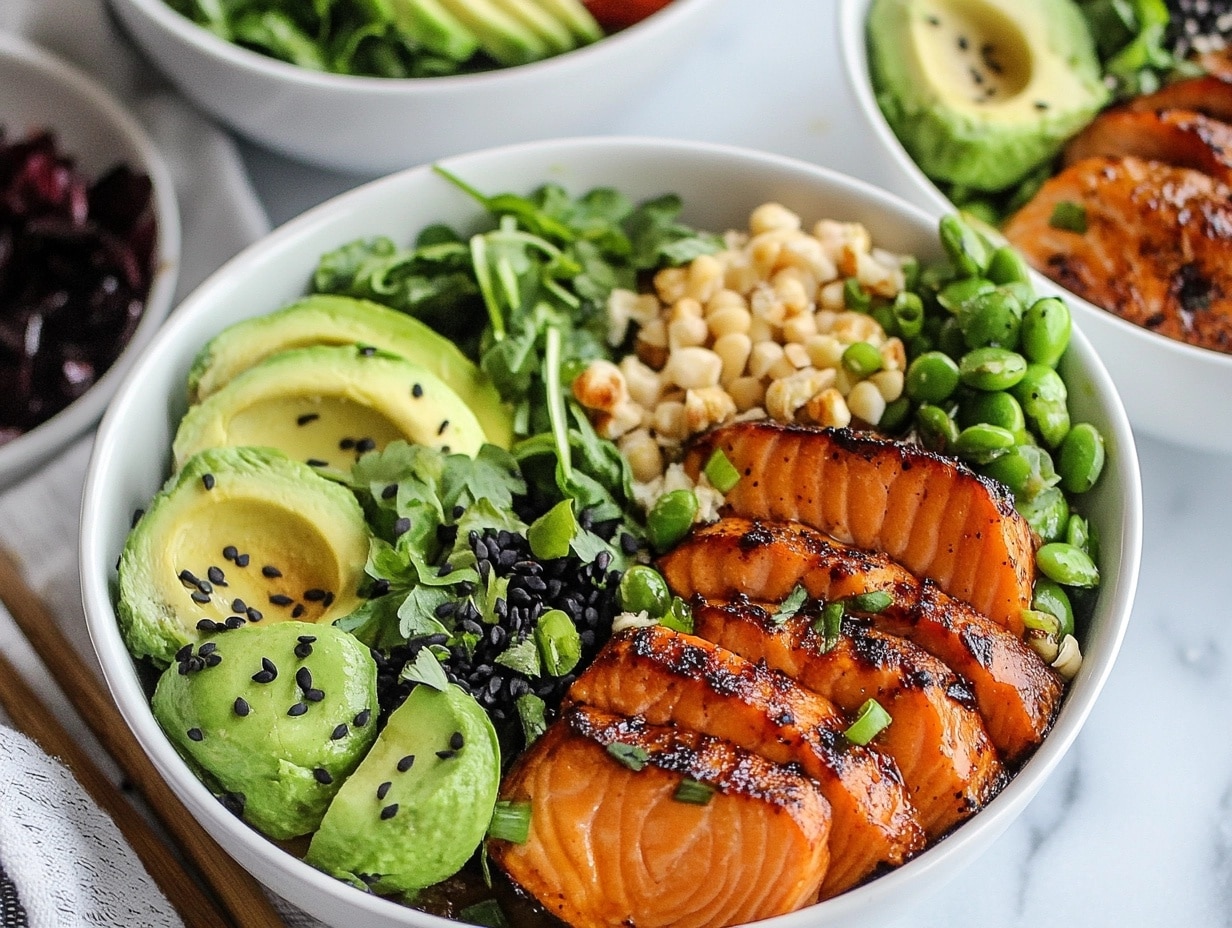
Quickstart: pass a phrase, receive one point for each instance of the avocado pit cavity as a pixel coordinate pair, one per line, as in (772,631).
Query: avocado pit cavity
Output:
(977,50)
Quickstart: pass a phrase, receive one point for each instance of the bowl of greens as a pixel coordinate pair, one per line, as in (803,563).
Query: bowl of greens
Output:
(365,532)
(1057,124)
(370,88)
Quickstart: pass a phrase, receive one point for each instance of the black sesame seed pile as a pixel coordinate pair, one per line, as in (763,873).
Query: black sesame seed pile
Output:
(1198,26)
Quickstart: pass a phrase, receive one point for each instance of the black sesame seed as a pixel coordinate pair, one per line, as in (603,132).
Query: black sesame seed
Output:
(303,650)
(963,44)
(401,526)
(200,598)
(339,732)
(405,763)
(314,695)
(280,599)
(366,351)
(268,665)
(254,615)
(217,576)
(238,605)
(314,595)
(208,648)
(303,678)
(241,560)
(346,444)
(241,706)
(383,790)
(263,676)
(445,755)
(444,425)
(322,776)
(307,417)
(328,600)
(185,652)
(297,611)
(213,660)
(205,625)
(234,621)
(417,390)
(230,552)
(298,709)
(207,481)
(1041,104)
(364,445)
(306,639)
(456,741)
(195,734)
(389,811)
(362,718)
(390,491)
(316,462)
(269,570)
(188,578)
(204,586)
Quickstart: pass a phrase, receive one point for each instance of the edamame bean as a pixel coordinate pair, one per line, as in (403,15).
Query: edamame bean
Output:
(1043,396)
(993,369)
(950,339)
(1082,458)
(964,245)
(1046,327)
(862,359)
(937,430)
(895,416)
(885,317)
(1007,266)
(992,318)
(998,408)
(1046,512)
(957,292)
(982,443)
(1025,469)
(1049,596)
(1067,565)
(643,589)
(669,519)
(931,377)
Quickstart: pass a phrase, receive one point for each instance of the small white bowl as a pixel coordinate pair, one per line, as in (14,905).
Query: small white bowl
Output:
(1171,390)
(719,187)
(43,92)
(374,125)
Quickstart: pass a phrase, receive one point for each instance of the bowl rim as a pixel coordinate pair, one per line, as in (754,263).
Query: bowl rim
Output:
(852,15)
(18,455)
(104,631)
(254,63)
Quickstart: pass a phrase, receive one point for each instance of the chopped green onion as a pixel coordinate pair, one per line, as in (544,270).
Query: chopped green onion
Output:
(830,625)
(532,712)
(791,605)
(550,534)
(678,617)
(510,821)
(870,721)
(630,755)
(720,471)
(556,401)
(855,297)
(872,601)
(487,913)
(560,645)
(1070,216)
(693,792)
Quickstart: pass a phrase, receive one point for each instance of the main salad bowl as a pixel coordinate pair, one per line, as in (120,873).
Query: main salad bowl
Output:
(1146,367)
(719,187)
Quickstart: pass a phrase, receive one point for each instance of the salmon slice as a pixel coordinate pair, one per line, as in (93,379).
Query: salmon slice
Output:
(611,845)
(1016,693)
(670,678)
(930,513)
(1157,249)
(936,737)
(1178,137)
(1209,94)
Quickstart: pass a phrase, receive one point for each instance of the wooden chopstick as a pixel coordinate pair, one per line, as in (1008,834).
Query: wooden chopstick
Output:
(30,715)
(236,890)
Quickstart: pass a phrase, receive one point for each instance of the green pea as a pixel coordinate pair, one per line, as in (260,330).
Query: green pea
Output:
(669,519)
(950,339)
(1007,266)
(982,443)
(1082,458)
(862,359)
(998,408)
(957,292)
(966,247)
(643,589)
(937,430)
(1047,513)
(992,369)
(1043,396)
(931,377)
(1049,596)
(895,416)
(908,311)
(1025,469)
(1067,565)
(992,318)
(1046,327)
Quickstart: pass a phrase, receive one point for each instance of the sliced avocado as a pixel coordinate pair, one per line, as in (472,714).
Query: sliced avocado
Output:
(530,13)
(343,320)
(575,15)
(419,804)
(506,39)
(980,92)
(274,717)
(243,534)
(427,23)
(327,405)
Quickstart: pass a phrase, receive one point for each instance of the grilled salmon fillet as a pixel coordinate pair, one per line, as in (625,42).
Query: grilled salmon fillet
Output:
(936,737)
(1209,94)
(1015,691)
(929,513)
(669,678)
(1182,138)
(611,845)
(1157,249)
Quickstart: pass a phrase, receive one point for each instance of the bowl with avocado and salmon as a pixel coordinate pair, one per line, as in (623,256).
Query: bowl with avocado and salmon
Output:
(369,88)
(1060,125)
(508,539)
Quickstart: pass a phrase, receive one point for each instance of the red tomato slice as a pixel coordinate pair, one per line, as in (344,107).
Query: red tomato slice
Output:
(618,14)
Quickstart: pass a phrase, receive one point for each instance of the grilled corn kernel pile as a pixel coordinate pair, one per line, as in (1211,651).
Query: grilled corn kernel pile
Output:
(758,329)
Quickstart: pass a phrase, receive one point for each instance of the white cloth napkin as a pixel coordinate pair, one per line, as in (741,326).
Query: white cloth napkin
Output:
(68,863)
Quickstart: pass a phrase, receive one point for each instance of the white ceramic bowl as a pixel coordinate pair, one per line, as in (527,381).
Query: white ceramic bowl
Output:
(375,125)
(719,187)
(1172,391)
(43,92)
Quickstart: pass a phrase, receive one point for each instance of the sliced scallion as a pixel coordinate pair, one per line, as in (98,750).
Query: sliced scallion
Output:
(630,755)
(693,792)
(870,721)
(510,821)
(721,472)
(830,625)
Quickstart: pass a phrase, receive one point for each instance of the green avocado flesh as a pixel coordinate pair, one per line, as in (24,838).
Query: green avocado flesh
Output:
(341,320)
(328,405)
(980,92)
(280,748)
(235,531)
(419,804)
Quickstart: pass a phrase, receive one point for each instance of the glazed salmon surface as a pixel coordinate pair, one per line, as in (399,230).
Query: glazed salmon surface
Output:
(1181,138)
(936,737)
(610,845)
(671,678)
(1209,94)
(932,515)
(1016,693)
(1157,249)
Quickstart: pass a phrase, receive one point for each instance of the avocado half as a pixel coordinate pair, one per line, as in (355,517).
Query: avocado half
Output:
(239,535)
(327,406)
(980,92)
(274,717)
(341,320)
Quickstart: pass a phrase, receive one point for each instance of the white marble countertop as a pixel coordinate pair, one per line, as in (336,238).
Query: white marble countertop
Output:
(1135,828)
